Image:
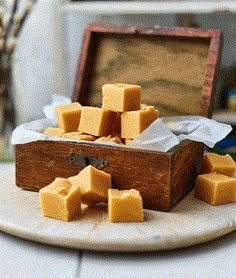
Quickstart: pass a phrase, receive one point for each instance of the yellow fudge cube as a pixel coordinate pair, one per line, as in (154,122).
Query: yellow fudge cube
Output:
(223,164)
(96,121)
(87,137)
(72,135)
(215,189)
(125,206)
(134,122)
(60,200)
(79,135)
(121,97)
(94,185)
(68,116)
(54,131)
(109,138)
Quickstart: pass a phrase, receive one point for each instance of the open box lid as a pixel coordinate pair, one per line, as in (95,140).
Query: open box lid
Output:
(176,67)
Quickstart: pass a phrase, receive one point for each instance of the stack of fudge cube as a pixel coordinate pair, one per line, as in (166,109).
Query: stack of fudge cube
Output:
(120,119)
(217,184)
(62,199)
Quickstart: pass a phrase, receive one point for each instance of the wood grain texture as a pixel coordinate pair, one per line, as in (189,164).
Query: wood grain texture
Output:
(186,166)
(39,163)
(179,62)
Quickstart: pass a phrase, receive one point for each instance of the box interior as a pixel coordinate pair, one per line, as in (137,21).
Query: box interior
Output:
(171,70)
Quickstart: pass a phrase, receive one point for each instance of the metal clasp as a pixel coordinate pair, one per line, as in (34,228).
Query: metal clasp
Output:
(84,160)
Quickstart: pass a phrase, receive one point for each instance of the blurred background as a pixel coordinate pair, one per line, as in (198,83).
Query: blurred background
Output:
(40,52)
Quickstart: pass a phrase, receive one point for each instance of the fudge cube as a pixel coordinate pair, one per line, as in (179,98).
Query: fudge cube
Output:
(134,122)
(125,206)
(68,116)
(96,121)
(215,189)
(60,200)
(222,164)
(109,138)
(79,135)
(72,135)
(54,131)
(87,137)
(94,185)
(121,97)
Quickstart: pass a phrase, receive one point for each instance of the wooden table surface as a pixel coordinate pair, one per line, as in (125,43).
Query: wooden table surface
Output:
(21,258)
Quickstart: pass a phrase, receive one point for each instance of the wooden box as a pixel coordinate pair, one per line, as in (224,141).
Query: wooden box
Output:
(177,70)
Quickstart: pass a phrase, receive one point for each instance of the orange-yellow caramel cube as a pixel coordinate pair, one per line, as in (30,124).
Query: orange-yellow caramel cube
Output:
(222,164)
(60,200)
(68,116)
(125,206)
(94,185)
(96,121)
(215,189)
(121,97)
(54,131)
(79,135)
(134,122)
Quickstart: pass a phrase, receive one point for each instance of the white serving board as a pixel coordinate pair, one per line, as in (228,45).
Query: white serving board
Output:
(190,222)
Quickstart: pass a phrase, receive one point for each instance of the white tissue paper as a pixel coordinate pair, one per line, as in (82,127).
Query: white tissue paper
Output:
(165,133)
(161,135)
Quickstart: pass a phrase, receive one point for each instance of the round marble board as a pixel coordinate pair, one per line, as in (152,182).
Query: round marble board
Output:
(190,222)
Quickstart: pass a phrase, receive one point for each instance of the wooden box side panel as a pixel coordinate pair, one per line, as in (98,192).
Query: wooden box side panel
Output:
(186,166)
(39,163)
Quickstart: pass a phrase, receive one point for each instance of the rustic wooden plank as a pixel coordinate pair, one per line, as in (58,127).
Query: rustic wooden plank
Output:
(186,166)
